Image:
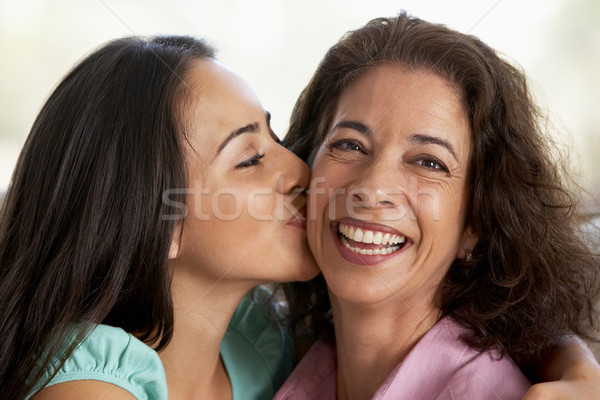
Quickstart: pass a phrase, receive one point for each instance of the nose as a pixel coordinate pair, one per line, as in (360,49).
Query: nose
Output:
(293,175)
(379,185)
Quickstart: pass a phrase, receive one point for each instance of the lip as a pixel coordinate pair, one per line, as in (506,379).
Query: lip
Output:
(369,226)
(298,221)
(365,259)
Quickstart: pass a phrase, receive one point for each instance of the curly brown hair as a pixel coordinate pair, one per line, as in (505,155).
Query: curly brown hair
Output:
(531,278)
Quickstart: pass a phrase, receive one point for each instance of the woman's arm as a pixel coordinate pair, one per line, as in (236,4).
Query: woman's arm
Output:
(85,389)
(569,372)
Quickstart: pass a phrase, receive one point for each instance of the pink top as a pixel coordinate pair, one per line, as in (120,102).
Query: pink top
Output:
(440,367)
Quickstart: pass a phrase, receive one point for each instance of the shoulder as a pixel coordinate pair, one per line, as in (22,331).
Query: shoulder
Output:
(88,389)
(112,359)
(253,342)
(487,376)
(480,374)
(442,366)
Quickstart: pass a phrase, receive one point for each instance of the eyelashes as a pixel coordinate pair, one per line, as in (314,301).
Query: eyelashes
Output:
(432,163)
(425,161)
(255,160)
(346,145)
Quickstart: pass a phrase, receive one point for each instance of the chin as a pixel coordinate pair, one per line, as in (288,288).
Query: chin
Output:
(303,268)
(304,272)
(309,272)
(357,288)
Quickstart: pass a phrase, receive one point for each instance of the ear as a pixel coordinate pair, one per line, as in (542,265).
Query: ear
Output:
(174,248)
(468,240)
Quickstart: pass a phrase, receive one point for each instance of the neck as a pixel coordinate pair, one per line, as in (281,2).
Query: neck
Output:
(375,338)
(202,308)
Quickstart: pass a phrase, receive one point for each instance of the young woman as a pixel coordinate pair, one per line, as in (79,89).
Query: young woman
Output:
(438,218)
(150,196)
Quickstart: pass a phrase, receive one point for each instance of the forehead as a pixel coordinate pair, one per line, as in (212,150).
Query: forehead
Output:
(393,93)
(218,101)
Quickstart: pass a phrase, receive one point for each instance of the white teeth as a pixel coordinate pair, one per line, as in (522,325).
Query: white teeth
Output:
(370,252)
(385,239)
(393,242)
(377,238)
(367,236)
(358,235)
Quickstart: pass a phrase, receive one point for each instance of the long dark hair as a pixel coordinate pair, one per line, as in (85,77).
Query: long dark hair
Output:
(531,277)
(83,233)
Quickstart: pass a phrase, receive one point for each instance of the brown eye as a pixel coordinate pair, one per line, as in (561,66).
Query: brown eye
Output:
(432,164)
(346,145)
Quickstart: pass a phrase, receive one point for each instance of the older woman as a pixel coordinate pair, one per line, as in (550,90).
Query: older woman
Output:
(438,218)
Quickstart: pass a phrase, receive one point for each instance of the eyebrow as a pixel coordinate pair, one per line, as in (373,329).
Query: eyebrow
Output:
(354,125)
(427,139)
(250,128)
(418,138)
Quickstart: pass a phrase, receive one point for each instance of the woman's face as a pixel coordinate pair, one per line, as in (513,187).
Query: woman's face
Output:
(389,191)
(245,203)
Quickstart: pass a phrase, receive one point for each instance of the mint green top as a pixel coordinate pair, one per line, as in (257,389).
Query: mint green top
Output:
(257,354)
(112,355)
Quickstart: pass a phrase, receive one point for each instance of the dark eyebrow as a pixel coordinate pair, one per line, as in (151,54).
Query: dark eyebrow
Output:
(354,125)
(427,139)
(250,128)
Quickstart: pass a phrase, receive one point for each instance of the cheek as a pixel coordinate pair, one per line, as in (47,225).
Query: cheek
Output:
(320,192)
(226,206)
(328,179)
(232,205)
(221,212)
(314,212)
(440,215)
(261,205)
(437,202)
(316,205)
(215,205)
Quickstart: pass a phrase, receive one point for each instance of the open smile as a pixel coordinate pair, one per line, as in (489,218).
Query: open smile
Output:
(366,243)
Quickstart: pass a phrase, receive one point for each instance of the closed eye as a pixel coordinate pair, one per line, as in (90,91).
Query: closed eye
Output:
(255,160)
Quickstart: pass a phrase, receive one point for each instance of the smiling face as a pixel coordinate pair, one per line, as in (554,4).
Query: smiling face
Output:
(245,189)
(388,190)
